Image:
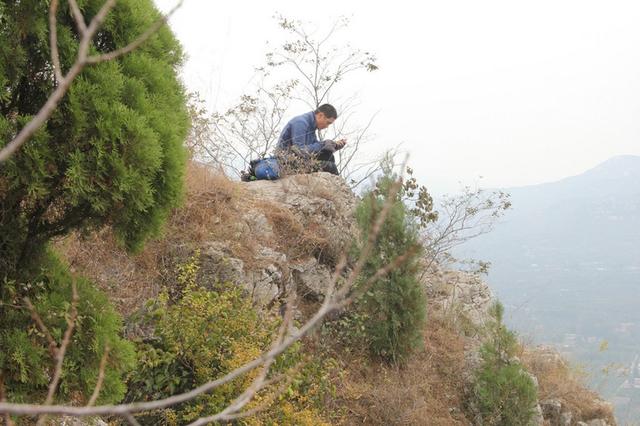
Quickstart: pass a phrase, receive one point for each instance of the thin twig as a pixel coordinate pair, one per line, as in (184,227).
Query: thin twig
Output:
(132,420)
(137,42)
(77,16)
(53,40)
(257,409)
(61,351)
(96,390)
(259,382)
(53,346)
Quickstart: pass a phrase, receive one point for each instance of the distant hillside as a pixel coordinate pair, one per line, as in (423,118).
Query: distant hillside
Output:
(566,261)
(590,218)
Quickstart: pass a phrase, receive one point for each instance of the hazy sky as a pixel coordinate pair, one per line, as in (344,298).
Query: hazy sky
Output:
(517,92)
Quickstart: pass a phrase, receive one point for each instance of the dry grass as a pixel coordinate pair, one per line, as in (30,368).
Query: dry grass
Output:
(428,390)
(558,381)
(211,209)
(296,239)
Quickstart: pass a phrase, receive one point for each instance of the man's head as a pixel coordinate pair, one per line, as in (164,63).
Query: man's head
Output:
(325,116)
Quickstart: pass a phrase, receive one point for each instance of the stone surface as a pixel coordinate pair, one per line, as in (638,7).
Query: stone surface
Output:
(551,410)
(459,294)
(311,279)
(321,200)
(218,265)
(597,422)
(566,417)
(537,419)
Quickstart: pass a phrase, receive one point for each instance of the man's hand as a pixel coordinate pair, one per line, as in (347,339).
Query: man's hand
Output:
(341,143)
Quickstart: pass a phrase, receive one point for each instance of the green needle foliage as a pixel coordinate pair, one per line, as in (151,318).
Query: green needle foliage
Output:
(26,365)
(112,151)
(393,310)
(504,394)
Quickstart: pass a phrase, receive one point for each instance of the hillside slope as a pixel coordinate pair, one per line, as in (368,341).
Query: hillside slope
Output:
(273,238)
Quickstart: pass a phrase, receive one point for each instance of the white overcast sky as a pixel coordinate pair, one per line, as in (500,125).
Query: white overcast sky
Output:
(518,92)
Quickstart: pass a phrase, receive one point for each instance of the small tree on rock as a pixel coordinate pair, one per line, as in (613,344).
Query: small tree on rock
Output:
(394,307)
(503,393)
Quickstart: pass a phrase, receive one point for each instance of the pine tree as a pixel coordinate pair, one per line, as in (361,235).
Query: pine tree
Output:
(394,308)
(503,392)
(112,151)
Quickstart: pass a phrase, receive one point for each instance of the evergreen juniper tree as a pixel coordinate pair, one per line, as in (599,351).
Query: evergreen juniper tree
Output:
(112,151)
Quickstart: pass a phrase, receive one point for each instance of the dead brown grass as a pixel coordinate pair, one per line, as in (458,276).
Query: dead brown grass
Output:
(557,380)
(296,239)
(428,390)
(211,208)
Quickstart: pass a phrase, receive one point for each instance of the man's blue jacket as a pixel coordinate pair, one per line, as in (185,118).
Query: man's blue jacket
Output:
(300,132)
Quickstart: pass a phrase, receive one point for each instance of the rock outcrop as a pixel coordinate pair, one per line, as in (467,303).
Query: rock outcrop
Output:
(460,294)
(301,224)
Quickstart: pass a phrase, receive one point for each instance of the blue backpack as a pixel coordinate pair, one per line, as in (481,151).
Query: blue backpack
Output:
(266,169)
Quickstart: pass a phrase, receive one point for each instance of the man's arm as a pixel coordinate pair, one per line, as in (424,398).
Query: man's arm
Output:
(304,138)
(333,146)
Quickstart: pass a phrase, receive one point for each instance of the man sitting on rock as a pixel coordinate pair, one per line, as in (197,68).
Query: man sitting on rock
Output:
(300,151)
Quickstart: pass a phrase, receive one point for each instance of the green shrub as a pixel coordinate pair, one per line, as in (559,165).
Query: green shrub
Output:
(204,335)
(25,361)
(393,310)
(504,393)
(112,151)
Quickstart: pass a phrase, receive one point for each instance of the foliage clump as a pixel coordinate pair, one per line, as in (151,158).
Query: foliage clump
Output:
(392,311)
(112,151)
(201,335)
(26,364)
(503,392)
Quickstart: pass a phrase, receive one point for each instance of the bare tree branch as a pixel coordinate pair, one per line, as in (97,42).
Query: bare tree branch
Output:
(233,410)
(53,346)
(96,390)
(463,217)
(95,23)
(62,350)
(132,421)
(252,412)
(137,42)
(77,16)
(53,40)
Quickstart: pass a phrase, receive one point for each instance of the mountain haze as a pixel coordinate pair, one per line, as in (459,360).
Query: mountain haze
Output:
(566,262)
(590,218)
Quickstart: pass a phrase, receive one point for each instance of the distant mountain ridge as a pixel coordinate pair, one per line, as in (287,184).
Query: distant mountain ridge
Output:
(618,175)
(588,217)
